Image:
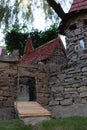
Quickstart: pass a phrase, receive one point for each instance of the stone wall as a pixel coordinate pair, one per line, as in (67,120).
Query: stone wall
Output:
(58,56)
(41,74)
(68,95)
(8,73)
(62,89)
(11,75)
(76,29)
(8,90)
(10,80)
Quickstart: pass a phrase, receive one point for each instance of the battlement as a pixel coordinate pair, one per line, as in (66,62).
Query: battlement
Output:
(4,57)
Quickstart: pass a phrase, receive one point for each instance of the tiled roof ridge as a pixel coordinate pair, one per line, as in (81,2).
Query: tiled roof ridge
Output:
(29,46)
(48,42)
(43,52)
(78,5)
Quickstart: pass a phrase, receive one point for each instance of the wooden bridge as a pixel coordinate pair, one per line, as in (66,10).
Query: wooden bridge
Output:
(31,112)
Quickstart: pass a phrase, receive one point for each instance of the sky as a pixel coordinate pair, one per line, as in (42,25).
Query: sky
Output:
(40,22)
(1,38)
(39,16)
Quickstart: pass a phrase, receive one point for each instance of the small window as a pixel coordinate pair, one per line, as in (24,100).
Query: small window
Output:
(81,44)
(72,27)
(76,47)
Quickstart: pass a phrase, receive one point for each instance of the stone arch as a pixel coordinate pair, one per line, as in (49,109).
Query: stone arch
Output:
(40,78)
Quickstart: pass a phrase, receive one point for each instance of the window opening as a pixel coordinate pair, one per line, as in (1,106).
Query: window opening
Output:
(85,21)
(72,27)
(82,46)
(76,47)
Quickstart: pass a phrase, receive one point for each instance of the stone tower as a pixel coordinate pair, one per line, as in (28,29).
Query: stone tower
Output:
(74,27)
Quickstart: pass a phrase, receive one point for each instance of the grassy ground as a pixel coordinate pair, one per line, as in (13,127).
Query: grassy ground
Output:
(73,123)
(13,125)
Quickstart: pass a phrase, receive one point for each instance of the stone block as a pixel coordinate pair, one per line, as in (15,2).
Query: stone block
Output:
(53,103)
(77,99)
(1,92)
(66,102)
(35,120)
(1,104)
(59,99)
(7,113)
(1,98)
(41,76)
(85,73)
(61,76)
(69,79)
(4,52)
(84,100)
(77,31)
(82,89)
(75,85)
(83,83)
(7,93)
(83,94)
(57,89)
(8,103)
(84,69)
(15,53)
(58,95)
(5,88)
(70,89)
(67,95)
(69,111)
(53,68)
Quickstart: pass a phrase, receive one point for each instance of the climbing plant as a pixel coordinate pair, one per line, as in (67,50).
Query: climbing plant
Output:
(16,39)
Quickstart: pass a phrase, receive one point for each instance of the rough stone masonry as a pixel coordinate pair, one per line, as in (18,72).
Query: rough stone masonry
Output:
(60,88)
(68,95)
(69,86)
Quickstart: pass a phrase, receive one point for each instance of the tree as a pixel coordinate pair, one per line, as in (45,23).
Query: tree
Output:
(12,10)
(57,7)
(15,39)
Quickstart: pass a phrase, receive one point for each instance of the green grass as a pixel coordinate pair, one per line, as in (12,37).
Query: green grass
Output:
(13,125)
(72,123)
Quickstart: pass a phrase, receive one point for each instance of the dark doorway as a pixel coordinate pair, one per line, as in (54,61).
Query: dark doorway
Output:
(27,87)
(32,89)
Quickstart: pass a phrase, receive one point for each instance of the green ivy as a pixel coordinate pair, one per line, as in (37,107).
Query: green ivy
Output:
(15,39)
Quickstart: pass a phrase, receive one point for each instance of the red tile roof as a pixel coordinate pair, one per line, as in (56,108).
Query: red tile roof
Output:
(29,47)
(78,5)
(41,53)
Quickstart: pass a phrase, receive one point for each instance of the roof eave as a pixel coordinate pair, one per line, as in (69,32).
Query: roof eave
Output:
(62,25)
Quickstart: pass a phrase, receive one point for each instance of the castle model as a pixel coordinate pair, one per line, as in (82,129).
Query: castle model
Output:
(50,75)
